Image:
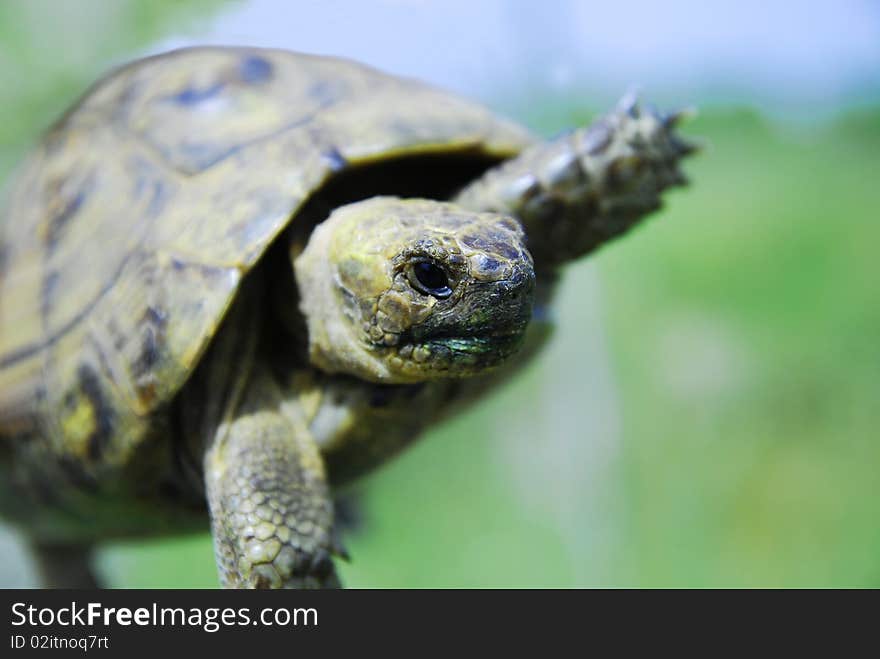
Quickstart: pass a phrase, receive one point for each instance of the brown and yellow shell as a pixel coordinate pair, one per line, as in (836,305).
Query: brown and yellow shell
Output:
(128,229)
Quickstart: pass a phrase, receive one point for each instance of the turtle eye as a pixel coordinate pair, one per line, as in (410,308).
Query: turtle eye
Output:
(431,279)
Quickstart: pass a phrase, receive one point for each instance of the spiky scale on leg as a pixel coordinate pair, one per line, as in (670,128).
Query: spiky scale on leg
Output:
(588,186)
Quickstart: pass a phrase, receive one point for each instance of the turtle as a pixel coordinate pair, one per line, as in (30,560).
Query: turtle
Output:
(234,280)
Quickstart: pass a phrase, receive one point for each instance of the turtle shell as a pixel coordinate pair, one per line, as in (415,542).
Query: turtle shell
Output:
(126,233)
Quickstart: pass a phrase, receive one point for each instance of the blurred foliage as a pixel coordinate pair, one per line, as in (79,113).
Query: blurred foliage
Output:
(745,337)
(706,416)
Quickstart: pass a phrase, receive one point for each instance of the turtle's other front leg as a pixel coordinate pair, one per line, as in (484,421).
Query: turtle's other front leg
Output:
(585,187)
(64,565)
(271,510)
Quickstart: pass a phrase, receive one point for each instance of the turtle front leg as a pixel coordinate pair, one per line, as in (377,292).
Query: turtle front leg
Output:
(271,510)
(588,186)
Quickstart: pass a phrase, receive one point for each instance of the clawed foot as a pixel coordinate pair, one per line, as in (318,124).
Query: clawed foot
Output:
(291,568)
(589,185)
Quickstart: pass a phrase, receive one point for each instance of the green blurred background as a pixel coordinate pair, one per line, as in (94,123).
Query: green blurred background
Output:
(707,413)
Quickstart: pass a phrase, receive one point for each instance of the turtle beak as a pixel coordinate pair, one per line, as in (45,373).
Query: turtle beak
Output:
(501,309)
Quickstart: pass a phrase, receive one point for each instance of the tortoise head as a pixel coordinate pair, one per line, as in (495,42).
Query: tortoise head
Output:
(402,291)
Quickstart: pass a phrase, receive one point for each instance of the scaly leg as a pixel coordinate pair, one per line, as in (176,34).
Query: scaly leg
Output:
(588,186)
(271,510)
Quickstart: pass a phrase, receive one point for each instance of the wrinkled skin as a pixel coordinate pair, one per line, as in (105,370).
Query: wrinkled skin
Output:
(248,340)
(370,316)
